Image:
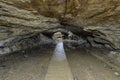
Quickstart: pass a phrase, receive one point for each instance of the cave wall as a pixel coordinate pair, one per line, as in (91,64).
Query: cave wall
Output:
(21,17)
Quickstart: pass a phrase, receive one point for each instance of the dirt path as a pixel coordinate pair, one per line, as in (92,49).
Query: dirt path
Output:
(26,66)
(86,67)
(59,70)
(34,65)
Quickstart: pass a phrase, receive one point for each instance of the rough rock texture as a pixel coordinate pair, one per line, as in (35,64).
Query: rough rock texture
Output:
(82,12)
(20,29)
(95,22)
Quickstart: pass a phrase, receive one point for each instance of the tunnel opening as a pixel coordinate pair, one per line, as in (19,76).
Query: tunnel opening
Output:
(77,35)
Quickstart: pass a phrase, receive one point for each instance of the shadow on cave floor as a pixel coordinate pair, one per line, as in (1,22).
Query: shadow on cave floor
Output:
(33,64)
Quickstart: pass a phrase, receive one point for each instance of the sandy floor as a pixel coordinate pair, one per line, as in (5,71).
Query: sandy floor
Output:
(25,66)
(86,67)
(33,65)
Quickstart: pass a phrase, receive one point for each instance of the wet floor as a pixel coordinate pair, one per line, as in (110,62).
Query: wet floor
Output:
(34,64)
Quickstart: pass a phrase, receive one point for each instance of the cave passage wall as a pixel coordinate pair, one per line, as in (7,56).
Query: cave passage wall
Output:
(93,21)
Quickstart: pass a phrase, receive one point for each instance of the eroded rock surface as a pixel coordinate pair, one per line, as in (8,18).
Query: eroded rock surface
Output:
(94,22)
(20,29)
(81,12)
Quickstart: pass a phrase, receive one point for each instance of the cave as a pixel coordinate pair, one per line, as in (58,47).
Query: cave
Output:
(88,39)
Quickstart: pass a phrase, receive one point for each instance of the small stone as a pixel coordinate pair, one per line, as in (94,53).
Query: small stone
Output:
(10,72)
(105,65)
(25,56)
(116,73)
(112,52)
(23,51)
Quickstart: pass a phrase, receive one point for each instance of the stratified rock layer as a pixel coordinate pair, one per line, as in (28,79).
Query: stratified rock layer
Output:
(95,21)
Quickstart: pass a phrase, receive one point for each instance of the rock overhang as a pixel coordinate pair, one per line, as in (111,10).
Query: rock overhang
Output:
(98,25)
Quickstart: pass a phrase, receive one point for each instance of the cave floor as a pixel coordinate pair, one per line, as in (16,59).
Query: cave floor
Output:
(33,65)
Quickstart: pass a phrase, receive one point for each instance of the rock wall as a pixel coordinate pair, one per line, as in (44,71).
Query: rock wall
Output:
(21,29)
(86,12)
(95,21)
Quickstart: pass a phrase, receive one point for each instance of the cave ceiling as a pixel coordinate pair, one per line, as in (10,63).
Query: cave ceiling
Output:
(96,21)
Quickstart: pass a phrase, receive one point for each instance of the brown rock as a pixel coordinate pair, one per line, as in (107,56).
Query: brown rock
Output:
(21,17)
